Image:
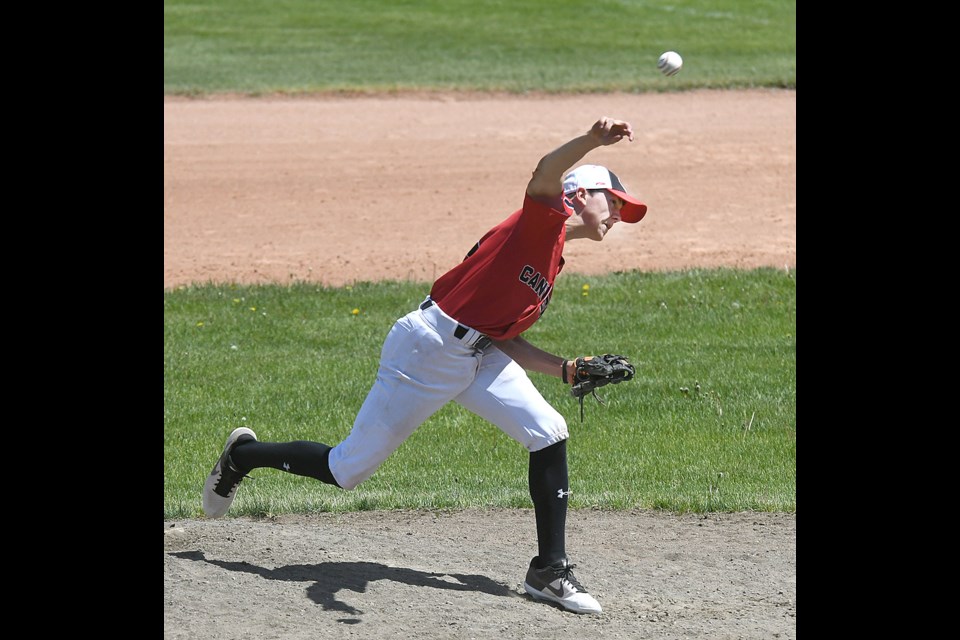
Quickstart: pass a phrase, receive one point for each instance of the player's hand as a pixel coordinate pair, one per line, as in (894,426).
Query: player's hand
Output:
(608,131)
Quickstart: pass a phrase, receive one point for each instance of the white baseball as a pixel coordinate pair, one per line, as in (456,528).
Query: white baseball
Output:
(670,63)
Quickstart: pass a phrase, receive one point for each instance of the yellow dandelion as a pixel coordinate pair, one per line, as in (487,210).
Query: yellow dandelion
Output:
(586,287)
(355,311)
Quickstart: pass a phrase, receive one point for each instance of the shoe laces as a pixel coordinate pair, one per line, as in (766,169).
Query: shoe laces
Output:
(231,475)
(566,573)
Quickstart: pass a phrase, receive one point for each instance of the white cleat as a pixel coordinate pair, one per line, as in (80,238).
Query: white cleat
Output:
(556,583)
(221,486)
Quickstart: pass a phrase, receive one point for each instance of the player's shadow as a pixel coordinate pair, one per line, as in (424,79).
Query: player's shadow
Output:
(328,578)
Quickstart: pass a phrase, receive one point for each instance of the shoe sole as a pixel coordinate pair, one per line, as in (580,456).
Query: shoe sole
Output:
(539,595)
(221,505)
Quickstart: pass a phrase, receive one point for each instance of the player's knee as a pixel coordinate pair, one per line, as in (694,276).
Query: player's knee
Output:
(350,481)
(548,437)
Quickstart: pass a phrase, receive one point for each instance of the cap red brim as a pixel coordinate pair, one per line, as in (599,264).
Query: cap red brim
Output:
(632,210)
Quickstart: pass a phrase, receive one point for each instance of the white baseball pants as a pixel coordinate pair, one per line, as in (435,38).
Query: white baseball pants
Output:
(423,365)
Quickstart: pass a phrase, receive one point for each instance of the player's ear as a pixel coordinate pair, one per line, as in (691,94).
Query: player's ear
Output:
(580,195)
(575,201)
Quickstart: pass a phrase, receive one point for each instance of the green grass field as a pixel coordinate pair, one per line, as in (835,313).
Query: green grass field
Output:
(263,46)
(708,424)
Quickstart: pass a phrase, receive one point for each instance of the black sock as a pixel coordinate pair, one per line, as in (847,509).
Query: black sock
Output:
(300,458)
(549,489)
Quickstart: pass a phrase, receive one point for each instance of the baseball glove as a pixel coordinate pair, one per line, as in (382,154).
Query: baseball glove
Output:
(593,372)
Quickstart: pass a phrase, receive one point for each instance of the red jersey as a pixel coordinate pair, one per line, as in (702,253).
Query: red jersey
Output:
(505,282)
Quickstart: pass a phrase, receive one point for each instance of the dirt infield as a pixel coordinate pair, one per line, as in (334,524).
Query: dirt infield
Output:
(338,190)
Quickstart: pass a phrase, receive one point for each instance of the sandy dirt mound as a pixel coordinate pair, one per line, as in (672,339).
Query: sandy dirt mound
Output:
(459,575)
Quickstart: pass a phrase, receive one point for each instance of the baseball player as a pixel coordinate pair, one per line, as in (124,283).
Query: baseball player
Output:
(464,343)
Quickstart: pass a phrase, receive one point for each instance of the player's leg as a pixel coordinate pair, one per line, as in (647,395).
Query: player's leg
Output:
(244,453)
(420,370)
(503,394)
(300,457)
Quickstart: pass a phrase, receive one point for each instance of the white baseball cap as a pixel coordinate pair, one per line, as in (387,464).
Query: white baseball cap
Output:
(593,176)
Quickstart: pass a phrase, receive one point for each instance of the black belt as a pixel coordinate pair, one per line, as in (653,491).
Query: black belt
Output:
(482,342)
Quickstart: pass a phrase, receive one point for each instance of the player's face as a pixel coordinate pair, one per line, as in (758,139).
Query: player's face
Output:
(601,212)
